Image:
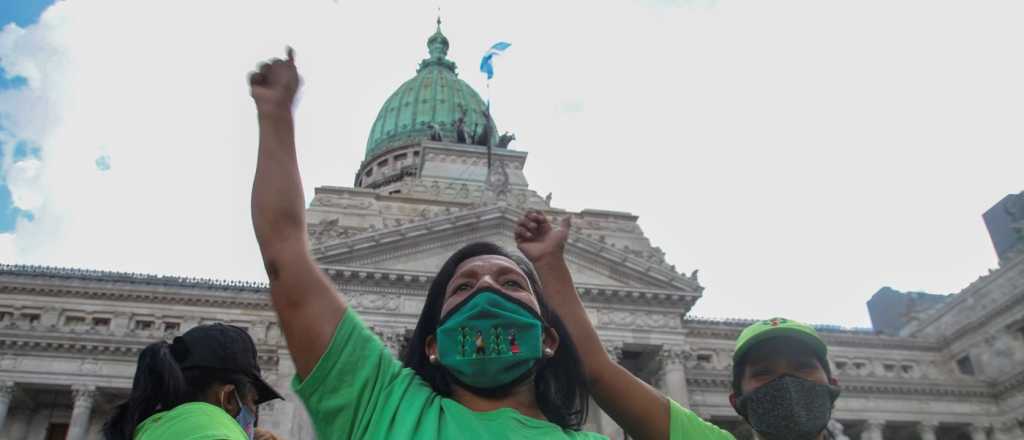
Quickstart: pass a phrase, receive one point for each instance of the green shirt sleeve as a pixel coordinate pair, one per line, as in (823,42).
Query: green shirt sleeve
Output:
(351,381)
(685,425)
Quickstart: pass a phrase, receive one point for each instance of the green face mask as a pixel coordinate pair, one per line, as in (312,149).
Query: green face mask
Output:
(490,340)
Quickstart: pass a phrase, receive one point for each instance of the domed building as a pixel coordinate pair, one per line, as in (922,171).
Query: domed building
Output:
(436,175)
(433,105)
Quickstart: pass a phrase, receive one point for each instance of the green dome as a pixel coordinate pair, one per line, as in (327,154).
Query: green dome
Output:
(434,97)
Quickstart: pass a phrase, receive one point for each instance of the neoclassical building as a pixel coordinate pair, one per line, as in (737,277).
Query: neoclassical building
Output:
(436,175)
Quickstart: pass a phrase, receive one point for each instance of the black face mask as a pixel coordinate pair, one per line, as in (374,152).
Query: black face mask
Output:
(788,408)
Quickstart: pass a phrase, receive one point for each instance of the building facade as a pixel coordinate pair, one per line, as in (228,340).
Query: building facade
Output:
(438,175)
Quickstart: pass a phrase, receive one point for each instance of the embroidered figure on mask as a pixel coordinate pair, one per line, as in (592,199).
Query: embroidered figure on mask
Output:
(496,342)
(481,348)
(512,344)
(463,341)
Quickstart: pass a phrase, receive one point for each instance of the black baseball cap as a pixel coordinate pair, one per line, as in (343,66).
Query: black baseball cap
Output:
(225,347)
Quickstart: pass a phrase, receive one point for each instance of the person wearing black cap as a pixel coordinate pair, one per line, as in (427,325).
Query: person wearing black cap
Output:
(206,384)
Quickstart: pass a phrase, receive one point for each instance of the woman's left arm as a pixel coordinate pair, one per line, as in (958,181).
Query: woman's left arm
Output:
(641,410)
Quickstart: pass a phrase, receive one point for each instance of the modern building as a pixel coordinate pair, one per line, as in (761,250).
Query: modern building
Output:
(436,175)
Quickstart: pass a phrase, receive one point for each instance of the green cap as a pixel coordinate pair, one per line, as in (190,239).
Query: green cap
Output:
(771,328)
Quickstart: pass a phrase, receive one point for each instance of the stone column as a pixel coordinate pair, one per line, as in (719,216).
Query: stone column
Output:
(83,395)
(37,425)
(18,428)
(978,432)
(927,430)
(6,394)
(608,425)
(873,430)
(673,360)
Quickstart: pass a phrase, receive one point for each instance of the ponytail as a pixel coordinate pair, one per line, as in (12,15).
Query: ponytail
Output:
(159,385)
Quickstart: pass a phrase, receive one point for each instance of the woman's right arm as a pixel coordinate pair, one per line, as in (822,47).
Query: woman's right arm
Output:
(642,411)
(307,305)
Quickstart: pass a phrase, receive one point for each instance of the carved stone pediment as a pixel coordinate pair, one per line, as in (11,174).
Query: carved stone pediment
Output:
(423,245)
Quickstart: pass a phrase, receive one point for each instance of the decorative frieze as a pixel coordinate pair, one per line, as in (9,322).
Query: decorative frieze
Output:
(640,319)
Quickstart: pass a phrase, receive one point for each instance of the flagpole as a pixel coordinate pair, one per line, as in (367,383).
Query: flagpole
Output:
(488,87)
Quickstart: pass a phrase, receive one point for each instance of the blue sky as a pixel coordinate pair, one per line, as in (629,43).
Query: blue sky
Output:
(761,149)
(22,13)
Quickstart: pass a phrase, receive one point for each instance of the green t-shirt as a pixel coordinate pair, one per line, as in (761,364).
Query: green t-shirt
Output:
(358,390)
(190,421)
(685,425)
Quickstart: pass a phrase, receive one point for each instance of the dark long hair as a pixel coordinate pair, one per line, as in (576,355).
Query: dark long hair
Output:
(562,395)
(160,384)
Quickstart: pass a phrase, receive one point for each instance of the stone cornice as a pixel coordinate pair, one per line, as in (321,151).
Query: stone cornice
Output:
(724,383)
(132,278)
(417,282)
(119,293)
(1012,384)
(834,336)
(63,343)
(62,284)
(1012,305)
(954,303)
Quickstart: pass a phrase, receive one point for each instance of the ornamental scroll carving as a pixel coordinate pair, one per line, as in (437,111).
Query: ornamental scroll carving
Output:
(614,350)
(341,202)
(606,225)
(393,339)
(639,319)
(674,356)
(375,302)
(6,390)
(83,395)
(326,231)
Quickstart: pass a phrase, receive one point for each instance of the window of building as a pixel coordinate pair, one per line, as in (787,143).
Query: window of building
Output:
(401,157)
(841,365)
(382,163)
(965,365)
(415,154)
(32,318)
(369,172)
(143,324)
(171,326)
(860,366)
(889,368)
(908,369)
(704,358)
(74,321)
(394,191)
(100,322)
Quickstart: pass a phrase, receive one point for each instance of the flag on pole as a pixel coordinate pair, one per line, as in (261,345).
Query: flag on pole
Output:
(486,65)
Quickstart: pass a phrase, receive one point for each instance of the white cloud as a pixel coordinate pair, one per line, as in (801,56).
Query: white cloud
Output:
(7,253)
(802,154)
(24,181)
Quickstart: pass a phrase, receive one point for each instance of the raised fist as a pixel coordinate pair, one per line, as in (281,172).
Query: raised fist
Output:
(274,85)
(538,239)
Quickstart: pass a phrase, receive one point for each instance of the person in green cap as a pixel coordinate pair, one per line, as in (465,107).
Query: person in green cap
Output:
(782,385)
